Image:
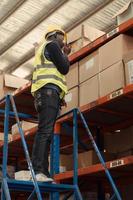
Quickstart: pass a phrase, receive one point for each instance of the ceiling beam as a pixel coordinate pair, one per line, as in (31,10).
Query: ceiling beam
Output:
(23,60)
(89,15)
(43,17)
(12,10)
(31,53)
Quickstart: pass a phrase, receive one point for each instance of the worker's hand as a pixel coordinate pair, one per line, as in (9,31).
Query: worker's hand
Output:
(67,49)
(63,103)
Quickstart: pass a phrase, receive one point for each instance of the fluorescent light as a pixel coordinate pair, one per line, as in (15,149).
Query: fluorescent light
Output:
(117,131)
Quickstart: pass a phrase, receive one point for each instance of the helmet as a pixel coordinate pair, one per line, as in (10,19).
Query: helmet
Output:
(52,29)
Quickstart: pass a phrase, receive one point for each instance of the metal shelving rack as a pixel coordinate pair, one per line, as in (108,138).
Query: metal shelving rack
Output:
(116,109)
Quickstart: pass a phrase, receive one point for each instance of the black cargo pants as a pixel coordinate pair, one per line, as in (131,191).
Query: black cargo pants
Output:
(47,103)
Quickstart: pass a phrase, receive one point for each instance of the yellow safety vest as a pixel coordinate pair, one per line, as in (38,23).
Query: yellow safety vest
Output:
(46,72)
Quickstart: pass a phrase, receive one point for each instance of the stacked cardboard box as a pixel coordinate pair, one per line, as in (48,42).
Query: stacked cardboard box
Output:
(112,76)
(81,36)
(104,71)
(72,98)
(9,83)
(88,78)
(73,76)
(125,13)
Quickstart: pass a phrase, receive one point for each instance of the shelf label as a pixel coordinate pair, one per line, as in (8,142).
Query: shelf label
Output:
(116,163)
(113,32)
(116,94)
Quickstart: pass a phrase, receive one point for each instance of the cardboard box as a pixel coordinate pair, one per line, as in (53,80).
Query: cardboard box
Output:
(22,175)
(83,31)
(25,126)
(85,159)
(2,137)
(9,83)
(89,158)
(88,91)
(78,44)
(125,13)
(72,100)
(113,51)
(89,66)
(72,76)
(66,162)
(118,142)
(128,61)
(111,79)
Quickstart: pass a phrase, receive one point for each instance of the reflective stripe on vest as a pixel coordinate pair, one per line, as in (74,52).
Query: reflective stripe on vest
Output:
(47,77)
(44,66)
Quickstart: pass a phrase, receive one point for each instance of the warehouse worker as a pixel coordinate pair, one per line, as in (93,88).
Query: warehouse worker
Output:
(49,88)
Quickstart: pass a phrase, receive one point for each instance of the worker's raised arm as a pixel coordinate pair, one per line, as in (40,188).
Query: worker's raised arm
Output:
(54,53)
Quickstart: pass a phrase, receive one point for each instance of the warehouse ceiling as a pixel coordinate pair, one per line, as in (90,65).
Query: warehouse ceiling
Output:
(23,23)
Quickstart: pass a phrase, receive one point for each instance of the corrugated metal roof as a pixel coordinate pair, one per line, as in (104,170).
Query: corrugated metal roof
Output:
(28,23)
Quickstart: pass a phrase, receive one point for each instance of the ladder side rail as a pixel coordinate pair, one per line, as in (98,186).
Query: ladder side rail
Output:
(26,149)
(100,157)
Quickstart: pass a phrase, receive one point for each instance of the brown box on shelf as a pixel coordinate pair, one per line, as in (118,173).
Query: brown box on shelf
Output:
(78,44)
(88,91)
(89,66)
(81,36)
(83,31)
(72,100)
(66,162)
(120,141)
(9,83)
(85,159)
(72,76)
(90,158)
(2,137)
(128,61)
(25,126)
(113,51)
(111,79)
(125,13)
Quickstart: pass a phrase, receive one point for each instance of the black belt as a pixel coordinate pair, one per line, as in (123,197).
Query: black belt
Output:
(53,87)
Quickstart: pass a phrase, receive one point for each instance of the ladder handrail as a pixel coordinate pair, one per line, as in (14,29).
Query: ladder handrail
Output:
(100,156)
(38,193)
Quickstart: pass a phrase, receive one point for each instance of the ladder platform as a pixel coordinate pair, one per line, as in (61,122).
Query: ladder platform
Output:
(17,185)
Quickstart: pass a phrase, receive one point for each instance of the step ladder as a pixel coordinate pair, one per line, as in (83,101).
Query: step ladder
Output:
(34,187)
